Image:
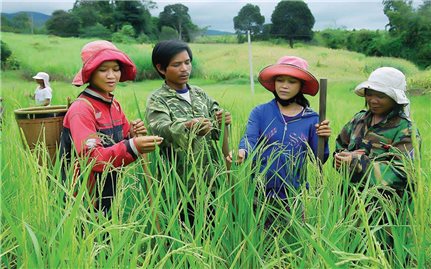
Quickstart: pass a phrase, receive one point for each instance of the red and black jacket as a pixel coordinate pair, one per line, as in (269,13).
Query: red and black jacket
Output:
(97,128)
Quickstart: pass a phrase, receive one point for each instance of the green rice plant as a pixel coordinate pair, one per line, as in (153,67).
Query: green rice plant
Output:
(48,223)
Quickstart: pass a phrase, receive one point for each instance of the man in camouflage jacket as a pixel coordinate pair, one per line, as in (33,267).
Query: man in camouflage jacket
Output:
(185,116)
(168,114)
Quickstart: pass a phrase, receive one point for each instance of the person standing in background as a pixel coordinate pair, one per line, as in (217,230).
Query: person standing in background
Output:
(43,93)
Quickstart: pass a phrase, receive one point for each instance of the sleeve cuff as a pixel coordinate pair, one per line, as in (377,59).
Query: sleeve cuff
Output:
(131,147)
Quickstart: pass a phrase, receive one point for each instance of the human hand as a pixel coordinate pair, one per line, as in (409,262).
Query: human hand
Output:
(147,144)
(346,157)
(137,128)
(227,117)
(239,159)
(323,129)
(202,125)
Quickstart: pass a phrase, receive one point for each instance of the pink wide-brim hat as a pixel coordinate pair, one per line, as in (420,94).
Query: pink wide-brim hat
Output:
(289,66)
(95,53)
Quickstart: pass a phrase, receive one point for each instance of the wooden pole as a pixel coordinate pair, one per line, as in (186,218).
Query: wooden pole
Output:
(322,117)
(250,62)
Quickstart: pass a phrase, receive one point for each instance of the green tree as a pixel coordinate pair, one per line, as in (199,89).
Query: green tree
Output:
(21,23)
(411,28)
(134,13)
(292,20)
(91,12)
(176,16)
(248,19)
(6,25)
(63,24)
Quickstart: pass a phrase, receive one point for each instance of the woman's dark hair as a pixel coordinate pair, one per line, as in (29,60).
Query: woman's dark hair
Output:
(164,51)
(301,100)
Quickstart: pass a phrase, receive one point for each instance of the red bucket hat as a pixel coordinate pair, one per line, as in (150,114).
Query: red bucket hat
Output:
(289,66)
(95,53)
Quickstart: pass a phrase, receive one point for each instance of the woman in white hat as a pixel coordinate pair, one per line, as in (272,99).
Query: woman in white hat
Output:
(286,127)
(43,93)
(374,143)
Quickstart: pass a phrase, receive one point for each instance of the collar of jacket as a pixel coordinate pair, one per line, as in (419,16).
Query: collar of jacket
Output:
(165,86)
(95,95)
(368,116)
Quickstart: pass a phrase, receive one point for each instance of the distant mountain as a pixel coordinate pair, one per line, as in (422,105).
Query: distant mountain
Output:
(39,19)
(217,32)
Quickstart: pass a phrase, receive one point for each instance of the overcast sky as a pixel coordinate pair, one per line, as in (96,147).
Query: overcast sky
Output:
(218,15)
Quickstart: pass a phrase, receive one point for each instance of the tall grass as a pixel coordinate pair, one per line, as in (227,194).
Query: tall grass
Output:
(44,224)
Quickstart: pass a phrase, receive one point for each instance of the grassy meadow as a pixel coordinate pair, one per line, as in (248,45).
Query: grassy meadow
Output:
(43,225)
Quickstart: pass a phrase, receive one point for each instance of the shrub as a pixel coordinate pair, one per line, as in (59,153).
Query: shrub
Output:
(168,33)
(97,30)
(5,52)
(143,38)
(7,61)
(125,35)
(331,38)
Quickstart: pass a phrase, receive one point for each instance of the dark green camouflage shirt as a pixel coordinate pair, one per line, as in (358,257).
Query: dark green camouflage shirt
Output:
(387,145)
(166,115)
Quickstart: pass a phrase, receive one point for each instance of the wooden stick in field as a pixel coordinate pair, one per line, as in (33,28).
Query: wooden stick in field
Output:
(322,117)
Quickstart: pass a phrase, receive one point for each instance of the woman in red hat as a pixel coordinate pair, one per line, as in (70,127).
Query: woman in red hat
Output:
(284,129)
(95,126)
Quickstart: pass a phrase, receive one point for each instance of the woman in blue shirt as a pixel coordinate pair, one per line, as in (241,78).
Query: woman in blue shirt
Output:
(286,127)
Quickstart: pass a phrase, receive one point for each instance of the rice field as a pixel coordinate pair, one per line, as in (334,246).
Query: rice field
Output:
(43,225)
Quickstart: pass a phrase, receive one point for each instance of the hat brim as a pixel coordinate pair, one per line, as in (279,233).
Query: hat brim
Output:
(268,74)
(397,96)
(128,68)
(36,77)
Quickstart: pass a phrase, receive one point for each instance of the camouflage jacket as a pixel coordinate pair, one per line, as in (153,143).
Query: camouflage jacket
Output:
(387,145)
(166,115)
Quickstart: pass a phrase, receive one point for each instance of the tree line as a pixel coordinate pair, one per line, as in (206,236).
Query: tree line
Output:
(407,35)
(116,20)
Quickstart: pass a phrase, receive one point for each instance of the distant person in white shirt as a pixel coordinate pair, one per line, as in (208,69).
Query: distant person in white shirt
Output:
(43,92)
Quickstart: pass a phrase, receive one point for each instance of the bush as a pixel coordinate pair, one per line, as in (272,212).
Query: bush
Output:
(168,33)
(5,52)
(143,38)
(125,35)
(332,38)
(7,61)
(97,30)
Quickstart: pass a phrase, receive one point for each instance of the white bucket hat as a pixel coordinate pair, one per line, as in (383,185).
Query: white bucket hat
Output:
(44,76)
(389,81)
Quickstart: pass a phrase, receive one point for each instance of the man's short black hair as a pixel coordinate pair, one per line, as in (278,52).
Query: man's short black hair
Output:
(164,51)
